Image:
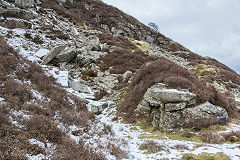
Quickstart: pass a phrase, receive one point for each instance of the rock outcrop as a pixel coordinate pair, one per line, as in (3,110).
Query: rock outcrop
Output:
(171,109)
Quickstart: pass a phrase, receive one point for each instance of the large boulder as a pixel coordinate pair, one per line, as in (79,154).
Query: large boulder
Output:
(171,109)
(158,94)
(53,53)
(169,95)
(24,3)
(97,107)
(203,115)
(67,54)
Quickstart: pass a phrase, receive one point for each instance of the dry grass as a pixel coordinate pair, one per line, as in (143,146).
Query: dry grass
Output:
(100,94)
(218,138)
(43,129)
(122,60)
(233,136)
(211,137)
(151,147)
(68,149)
(88,74)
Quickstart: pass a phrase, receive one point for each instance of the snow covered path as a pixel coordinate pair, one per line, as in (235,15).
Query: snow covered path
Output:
(132,135)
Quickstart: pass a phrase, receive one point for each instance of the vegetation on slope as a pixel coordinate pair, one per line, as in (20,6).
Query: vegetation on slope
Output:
(174,76)
(19,78)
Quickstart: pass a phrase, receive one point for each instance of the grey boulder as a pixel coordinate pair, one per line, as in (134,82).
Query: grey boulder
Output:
(203,115)
(97,107)
(78,86)
(52,54)
(67,54)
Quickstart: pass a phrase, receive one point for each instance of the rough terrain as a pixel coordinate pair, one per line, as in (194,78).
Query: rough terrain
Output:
(101,85)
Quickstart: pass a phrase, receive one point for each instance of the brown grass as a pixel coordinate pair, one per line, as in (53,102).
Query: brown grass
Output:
(119,41)
(151,147)
(225,74)
(211,137)
(122,60)
(100,94)
(86,74)
(217,138)
(43,129)
(14,144)
(115,150)
(68,149)
(233,136)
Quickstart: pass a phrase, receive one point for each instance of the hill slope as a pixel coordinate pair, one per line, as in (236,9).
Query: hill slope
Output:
(71,71)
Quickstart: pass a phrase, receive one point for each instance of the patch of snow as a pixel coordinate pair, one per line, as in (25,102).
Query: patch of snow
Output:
(61,76)
(14,122)
(37,95)
(42,52)
(48,147)
(80,95)
(233,126)
(2,99)
(20,113)
(36,157)
(132,136)
(34,141)
(19,31)
(237,99)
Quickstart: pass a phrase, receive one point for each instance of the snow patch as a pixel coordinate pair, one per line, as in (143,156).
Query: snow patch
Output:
(34,141)
(42,52)
(2,99)
(36,157)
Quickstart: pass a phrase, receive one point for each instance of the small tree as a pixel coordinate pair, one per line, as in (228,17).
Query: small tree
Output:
(153,26)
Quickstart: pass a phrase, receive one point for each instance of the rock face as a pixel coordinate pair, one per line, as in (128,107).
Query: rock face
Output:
(168,109)
(24,3)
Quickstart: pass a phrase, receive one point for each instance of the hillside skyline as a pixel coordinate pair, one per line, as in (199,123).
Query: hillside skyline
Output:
(208,28)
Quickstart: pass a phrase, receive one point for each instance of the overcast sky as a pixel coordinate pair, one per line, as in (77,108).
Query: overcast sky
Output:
(207,27)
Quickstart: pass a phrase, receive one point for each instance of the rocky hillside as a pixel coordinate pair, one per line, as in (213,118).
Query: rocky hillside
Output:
(80,79)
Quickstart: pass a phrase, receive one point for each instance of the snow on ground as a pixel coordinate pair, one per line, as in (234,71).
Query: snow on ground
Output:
(42,52)
(233,126)
(132,136)
(237,99)
(36,157)
(2,99)
(61,76)
(34,141)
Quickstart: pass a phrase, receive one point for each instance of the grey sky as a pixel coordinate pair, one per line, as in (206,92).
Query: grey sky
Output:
(207,27)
